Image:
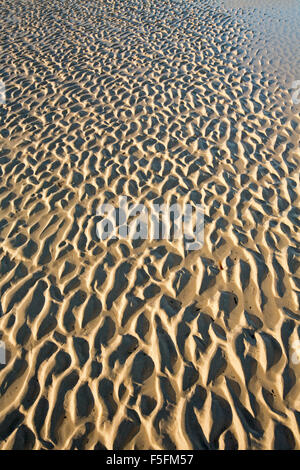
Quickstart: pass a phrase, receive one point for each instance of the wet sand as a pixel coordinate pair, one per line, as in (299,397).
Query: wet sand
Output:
(139,344)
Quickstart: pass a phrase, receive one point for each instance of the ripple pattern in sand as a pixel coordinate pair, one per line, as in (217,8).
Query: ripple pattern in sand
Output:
(139,345)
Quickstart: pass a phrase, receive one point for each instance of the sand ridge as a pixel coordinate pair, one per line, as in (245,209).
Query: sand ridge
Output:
(140,345)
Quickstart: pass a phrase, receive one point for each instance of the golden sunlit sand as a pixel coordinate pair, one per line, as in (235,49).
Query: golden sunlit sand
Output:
(139,344)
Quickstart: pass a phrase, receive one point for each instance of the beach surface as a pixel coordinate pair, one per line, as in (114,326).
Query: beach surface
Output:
(141,344)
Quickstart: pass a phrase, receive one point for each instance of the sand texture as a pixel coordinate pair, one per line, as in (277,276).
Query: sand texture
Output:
(127,344)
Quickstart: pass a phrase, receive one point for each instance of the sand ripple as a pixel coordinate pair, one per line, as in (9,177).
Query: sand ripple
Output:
(140,345)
